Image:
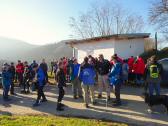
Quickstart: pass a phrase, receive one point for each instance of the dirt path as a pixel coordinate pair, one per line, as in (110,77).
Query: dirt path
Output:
(133,110)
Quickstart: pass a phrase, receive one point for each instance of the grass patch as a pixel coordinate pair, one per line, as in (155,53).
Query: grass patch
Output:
(52,121)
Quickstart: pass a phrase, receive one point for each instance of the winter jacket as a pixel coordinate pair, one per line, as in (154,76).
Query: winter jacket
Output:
(140,66)
(147,73)
(44,67)
(6,78)
(20,68)
(130,64)
(40,77)
(115,75)
(103,68)
(27,72)
(75,71)
(60,77)
(87,74)
(134,68)
(13,71)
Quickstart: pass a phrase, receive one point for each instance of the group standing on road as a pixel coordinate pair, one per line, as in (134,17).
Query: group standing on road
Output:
(93,74)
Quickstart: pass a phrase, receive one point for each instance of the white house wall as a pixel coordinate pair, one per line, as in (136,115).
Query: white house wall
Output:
(95,48)
(124,48)
(130,47)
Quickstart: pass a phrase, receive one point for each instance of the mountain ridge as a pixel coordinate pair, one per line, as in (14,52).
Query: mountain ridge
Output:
(13,49)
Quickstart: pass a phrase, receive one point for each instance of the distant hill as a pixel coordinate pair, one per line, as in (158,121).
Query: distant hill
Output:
(12,50)
(49,52)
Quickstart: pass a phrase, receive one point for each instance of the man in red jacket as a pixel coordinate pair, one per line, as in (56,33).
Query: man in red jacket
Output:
(140,70)
(20,71)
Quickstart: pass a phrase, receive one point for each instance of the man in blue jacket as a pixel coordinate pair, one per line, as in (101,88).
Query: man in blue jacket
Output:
(76,85)
(6,81)
(87,76)
(40,81)
(115,78)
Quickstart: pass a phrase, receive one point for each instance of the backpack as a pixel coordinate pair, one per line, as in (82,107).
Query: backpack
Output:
(154,71)
(88,76)
(86,72)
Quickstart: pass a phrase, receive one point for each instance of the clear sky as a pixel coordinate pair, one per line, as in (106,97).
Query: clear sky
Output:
(47,21)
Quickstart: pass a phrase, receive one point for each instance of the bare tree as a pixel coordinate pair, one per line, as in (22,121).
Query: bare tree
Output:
(158,14)
(106,19)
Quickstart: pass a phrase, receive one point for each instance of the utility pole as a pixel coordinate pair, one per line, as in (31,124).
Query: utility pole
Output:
(156,42)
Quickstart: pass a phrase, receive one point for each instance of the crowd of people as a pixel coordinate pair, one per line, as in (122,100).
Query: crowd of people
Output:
(92,73)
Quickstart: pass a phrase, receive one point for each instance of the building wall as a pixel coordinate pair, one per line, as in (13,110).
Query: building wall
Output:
(94,48)
(130,47)
(124,48)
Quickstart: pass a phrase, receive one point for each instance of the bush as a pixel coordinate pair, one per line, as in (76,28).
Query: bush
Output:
(159,54)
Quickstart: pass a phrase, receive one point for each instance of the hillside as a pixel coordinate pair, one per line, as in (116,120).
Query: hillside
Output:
(49,52)
(12,50)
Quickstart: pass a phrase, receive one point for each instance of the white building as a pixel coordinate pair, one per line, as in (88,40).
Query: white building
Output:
(125,45)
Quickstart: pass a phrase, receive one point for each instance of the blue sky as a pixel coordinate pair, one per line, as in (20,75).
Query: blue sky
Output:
(47,21)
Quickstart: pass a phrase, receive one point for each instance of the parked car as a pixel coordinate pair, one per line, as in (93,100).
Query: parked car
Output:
(164,63)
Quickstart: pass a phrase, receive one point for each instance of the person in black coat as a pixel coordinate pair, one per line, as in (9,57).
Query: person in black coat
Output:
(44,66)
(61,80)
(13,72)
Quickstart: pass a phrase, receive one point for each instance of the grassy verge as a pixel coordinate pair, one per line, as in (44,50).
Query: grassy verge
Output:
(51,121)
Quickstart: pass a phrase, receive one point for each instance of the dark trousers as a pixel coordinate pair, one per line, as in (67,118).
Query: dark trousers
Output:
(40,94)
(12,86)
(20,79)
(61,94)
(26,84)
(5,91)
(117,92)
(46,76)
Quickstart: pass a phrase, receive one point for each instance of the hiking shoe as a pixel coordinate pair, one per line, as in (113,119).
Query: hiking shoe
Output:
(62,105)
(28,92)
(23,92)
(86,105)
(108,98)
(75,97)
(94,103)
(60,109)
(44,100)
(99,96)
(13,93)
(36,104)
(81,97)
(7,99)
(117,104)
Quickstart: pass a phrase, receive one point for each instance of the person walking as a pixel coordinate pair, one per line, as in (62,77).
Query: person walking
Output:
(26,78)
(44,67)
(103,68)
(6,81)
(87,75)
(76,84)
(13,72)
(40,81)
(61,80)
